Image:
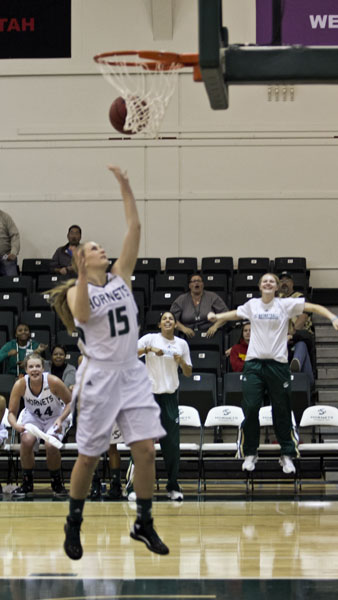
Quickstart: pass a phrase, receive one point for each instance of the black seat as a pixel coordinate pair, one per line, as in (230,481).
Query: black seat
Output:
(7,323)
(201,342)
(72,357)
(36,301)
(171,281)
(246,281)
(300,394)
(42,336)
(148,265)
(140,282)
(36,266)
(161,300)
(253,265)
(20,283)
(300,282)
(218,264)
(139,299)
(199,391)
(206,361)
(38,320)
(68,341)
(11,301)
(47,282)
(151,321)
(239,298)
(232,389)
(6,384)
(178,264)
(292,263)
(215,282)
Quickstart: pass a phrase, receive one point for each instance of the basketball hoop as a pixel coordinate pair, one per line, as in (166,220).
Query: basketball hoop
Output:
(146,80)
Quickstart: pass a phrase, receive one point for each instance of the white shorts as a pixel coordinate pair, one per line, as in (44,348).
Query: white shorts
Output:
(46,425)
(104,394)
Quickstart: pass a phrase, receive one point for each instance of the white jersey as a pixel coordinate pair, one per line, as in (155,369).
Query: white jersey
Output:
(162,370)
(111,332)
(45,405)
(269,326)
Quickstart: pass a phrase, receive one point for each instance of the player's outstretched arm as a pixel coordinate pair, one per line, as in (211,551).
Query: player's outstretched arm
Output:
(125,264)
(323,311)
(221,318)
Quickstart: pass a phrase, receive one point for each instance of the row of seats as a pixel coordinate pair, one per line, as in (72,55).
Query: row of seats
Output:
(204,460)
(224,264)
(204,390)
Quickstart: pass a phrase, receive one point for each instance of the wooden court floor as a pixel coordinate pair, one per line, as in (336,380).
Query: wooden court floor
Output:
(218,550)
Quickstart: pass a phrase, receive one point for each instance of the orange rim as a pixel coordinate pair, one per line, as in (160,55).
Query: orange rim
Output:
(168,60)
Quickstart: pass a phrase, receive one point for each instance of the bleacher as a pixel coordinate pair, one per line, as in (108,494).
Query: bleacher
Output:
(24,298)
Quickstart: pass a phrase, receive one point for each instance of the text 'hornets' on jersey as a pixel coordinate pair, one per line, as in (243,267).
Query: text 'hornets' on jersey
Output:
(111,332)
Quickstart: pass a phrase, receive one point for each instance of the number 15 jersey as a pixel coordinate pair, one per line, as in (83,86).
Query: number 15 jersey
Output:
(111,332)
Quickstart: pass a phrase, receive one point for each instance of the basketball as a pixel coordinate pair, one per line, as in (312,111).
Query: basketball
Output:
(118,114)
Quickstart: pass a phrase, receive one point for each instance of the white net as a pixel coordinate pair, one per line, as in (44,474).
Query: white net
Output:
(146,88)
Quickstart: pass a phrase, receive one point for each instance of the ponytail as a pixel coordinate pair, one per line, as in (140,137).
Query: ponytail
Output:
(58,301)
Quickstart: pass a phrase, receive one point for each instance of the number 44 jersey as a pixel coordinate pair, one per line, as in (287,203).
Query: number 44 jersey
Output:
(111,332)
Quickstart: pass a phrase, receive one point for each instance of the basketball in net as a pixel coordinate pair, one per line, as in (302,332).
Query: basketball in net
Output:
(118,113)
(145,81)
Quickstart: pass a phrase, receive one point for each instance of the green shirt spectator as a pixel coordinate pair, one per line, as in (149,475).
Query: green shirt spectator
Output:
(14,351)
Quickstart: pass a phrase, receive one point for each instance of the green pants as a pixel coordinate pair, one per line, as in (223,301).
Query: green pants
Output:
(273,376)
(170,444)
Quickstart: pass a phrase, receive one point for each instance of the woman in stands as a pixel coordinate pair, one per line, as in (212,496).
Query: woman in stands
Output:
(47,405)
(266,366)
(111,383)
(59,367)
(15,351)
(165,353)
(239,351)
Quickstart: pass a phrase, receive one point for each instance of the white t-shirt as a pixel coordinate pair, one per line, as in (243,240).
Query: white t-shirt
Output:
(162,370)
(269,326)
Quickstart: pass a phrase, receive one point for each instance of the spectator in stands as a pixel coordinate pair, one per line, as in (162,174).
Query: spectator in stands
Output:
(9,245)
(301,342)
(62,257)
(239,351)
(15,351)
(165,353)
(60,368)
(191,309)
(266,366)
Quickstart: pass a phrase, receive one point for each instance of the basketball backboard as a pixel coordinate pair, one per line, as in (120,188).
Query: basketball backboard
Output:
(222,64)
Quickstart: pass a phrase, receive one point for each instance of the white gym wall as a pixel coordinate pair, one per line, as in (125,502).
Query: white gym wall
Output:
(258,179)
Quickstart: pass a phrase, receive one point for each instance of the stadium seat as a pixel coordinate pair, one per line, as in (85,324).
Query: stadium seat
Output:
(38,320)
(161,300)
(201,342)
(253,265)
(6,384)
(36,266)
(36,301)
(21,284)
(7,323)
(68,341)
(206,361)
(148,265)
(239,298)
(140,282)
(47,282)
(151,321)
(11,301)
(221,264)
(292,263)
(171,281)
(199,391)
(177,264)
(246,282)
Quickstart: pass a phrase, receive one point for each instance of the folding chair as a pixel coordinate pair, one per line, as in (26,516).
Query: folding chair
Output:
(178,264)
(320,424)
(219,458)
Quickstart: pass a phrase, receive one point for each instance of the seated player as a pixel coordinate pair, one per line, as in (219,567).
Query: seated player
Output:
(47,406)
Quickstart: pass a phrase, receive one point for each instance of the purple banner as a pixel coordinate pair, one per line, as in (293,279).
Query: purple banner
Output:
(307,22)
